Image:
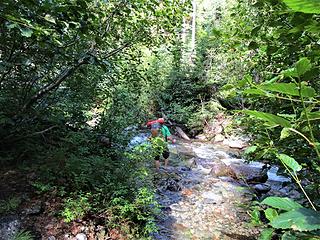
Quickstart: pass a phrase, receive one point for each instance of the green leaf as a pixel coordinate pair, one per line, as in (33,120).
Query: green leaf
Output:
(49,18)
(250,149)
(311,115)
(26,32)
(281,203)
(305,6)
(11,25)
(270,213)
(303,66)
(227,87)
(301,219)
(289,89)
(289,162)
(288,236)
(273,119)
(266,234)
(275,79)
(291,72)
(255,91)
(285,132)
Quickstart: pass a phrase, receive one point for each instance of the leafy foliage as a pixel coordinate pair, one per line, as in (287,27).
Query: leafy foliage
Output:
(9,205)
(23,235)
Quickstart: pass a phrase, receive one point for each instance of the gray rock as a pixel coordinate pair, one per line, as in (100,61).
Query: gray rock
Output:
(201,137)
(52,238)
(220,169)
(81,236)
(219,138)
(262,188)
(35,209)
(9,226)
(250,174)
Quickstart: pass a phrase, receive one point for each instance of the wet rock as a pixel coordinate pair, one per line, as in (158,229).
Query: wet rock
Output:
(273,175)
(81,236)
(262,188)
(192,162)
(234,143)
(173,185)
(9,226)
(220,169)
(184,169)
(219,138)
(250,174)
(205,163)
(294,194)
(201,137)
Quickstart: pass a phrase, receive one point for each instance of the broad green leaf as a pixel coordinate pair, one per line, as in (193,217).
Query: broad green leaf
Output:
(275,79)
(254,91)
(289,89)
(289,162)
(288,236)
(266,234)
(270,213)
(303,66)
(250,149)
(281,203)
(305,6)
(291,72)
(301,219)
(255,217)
(273,119)
(285,132)
(26,32)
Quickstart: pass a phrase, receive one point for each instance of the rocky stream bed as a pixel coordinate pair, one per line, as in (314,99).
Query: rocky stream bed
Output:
(208,189)
(205,193)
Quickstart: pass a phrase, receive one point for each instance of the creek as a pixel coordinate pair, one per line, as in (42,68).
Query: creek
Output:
(207,190)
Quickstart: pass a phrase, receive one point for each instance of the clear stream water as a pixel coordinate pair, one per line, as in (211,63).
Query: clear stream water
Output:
(198,205)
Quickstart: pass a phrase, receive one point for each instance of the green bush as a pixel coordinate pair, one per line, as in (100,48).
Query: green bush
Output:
(76,207)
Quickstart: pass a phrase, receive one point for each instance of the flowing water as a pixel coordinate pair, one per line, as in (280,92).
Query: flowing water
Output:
(198,205)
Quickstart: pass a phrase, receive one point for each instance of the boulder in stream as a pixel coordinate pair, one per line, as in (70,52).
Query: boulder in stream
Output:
(220,169)
(262,188)
(250,173)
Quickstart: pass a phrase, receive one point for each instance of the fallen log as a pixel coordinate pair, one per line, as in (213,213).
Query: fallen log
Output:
(182,133)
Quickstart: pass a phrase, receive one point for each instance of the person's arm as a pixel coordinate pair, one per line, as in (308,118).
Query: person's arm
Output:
(168,134)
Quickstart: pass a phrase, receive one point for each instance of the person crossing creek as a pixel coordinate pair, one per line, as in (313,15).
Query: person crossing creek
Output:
(160,135)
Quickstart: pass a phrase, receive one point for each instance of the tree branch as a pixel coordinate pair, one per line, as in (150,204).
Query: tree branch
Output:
(50,86)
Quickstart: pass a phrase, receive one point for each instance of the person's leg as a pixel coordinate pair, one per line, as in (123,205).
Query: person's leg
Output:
(157,162)
(166,155)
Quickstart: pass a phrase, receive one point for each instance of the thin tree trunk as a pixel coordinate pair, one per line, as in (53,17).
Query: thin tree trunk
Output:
(193,34)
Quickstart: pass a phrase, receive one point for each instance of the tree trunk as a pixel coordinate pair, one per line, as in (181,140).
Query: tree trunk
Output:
(193,35)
